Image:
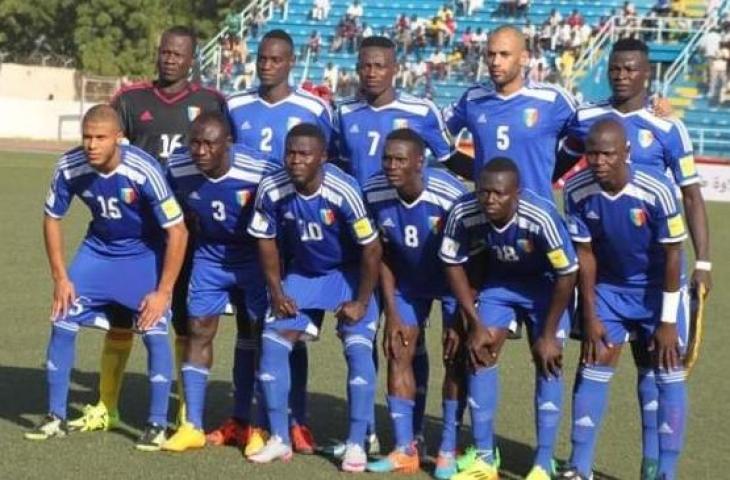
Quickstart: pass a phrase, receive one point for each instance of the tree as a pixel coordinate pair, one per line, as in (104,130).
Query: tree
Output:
(39,26)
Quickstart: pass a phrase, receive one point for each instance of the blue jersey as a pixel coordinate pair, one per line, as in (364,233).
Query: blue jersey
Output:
(362,130)
(524,126)
(320,233)
(660,143)
(412,232)
(534,244)
(221,207)
(626,230)
(263,126)
(128,205)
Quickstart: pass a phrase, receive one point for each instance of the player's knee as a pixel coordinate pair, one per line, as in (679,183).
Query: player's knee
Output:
(202,330)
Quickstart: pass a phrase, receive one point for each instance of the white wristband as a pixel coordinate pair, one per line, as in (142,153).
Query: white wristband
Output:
(703,265)
(670,306)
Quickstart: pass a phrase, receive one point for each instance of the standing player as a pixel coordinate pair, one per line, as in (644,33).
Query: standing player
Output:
(410,203)
(530,271)
(260,119)
(663,145)
(316,213)
(155,117)
(363,124)
(118,263)
(216,183)
(629,231)
(514,118)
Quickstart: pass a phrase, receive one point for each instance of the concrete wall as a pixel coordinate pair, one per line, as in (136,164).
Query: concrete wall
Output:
(39,83)
(39,119)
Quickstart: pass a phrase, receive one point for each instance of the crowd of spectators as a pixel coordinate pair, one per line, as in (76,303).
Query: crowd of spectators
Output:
(716,49)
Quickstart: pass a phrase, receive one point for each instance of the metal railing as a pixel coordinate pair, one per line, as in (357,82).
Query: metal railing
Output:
(716,139)
(681,63)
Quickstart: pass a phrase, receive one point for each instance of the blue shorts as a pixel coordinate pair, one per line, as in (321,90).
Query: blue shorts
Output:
(315,295)
(633,313)
(505,305)
(414,311)
(102,282)
(213,285)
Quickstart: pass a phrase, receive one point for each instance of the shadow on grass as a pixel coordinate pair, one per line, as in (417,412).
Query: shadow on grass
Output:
(23,391)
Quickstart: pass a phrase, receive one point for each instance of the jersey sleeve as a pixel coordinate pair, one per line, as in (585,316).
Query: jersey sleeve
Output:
(356,215)
(679,156)
(573,136)
(455,115)
(563,111)
(455,242)
(436,135)
(263,220)
(59,196)
(326,122)
(665,216)
(121,104)
(557,244)
(158,193)
(577,228)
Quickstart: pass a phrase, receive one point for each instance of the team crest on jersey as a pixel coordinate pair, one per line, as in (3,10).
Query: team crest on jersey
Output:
(327,216)
(400,123)
(645,138)
(292,122)
(242,197)
(193,112)
(525,245)
(638,216)
(436,224)
(530,116)
(128,195)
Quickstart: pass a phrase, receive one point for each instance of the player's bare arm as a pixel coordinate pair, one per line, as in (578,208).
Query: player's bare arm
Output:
(396,335)
(665,344)
(699,230)
(547,351)
(281,304)
(64,293)
(353,311)
(155,303)
(595,338)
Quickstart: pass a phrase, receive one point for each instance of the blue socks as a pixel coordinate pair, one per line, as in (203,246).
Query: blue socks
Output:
(195,380)
(401,411)
(59,362)
(548,405)
(421,373)
(648,393)
(361,384)
(672,417)
(299,364)
(451,425)
(590,396)
(275,381)
(483,400)
(159,371)
(244,376)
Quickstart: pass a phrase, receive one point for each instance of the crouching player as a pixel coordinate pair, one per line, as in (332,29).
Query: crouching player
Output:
(409,203)
(628,229)
(331,254)
(530,271)
(216,184)
(117,265)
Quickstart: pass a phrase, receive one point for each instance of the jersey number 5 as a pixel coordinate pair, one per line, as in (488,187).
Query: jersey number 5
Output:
(503,137)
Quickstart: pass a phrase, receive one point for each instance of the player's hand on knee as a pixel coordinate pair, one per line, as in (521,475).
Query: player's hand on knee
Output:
(153,308)
(548,356)
(595,339)
(395,337)
(665,346)
(64,295)
(702,277)
(450,340)
(480,345)
(283,306)
(351,312)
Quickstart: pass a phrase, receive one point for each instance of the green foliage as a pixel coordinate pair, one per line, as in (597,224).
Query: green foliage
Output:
(106,37)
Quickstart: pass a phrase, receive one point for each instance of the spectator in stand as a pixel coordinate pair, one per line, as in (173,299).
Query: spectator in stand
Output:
(480,39)
(507,8)
(555,18)
(575,19)
(445,12)
(402,23)
(402,34)
(663,8)
(530,33)
(565,63)
(355,10)
(249,72)
(466,42)
(283,7)
(450,27)
(539,69)
(420,73)
(523,6)
(717,55)
(338,39)
(313,46)
(454,61)
(420,42)
(435,31)
(364,32)
(564,35)
(351,32)
(346,83)
(321,9)
(329,76)
(258,20)
(437,62)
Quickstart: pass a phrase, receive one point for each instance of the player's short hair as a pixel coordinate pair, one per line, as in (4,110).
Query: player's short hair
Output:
(513,30)
(307,130)
(279,34)
(407,135)
(102,113)
(502,165)
(631,45)
(610,124)
(183,31)
(216,118)
(378,42)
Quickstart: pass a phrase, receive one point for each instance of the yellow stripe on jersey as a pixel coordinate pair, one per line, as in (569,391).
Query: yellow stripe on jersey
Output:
(676,225)
(170,208)
(363,228)
(558,259)
(687,166)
